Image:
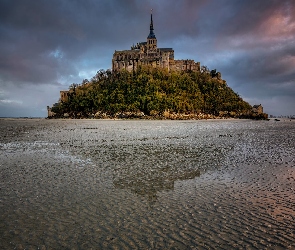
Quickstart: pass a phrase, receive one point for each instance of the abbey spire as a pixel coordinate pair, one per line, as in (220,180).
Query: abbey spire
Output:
(152,34)
(151,39)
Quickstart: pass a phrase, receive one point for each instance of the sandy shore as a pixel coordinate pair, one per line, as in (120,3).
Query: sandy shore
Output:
(103,184)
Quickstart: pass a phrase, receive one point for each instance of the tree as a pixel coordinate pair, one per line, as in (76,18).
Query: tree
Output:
(152,89)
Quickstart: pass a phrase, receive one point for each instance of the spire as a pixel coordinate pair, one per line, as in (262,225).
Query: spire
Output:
(151,25)
(152,34)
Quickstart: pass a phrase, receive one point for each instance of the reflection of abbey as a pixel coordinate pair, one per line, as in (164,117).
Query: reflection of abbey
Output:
(147,53)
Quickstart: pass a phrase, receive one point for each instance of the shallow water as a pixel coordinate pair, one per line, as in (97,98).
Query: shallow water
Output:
(82,184)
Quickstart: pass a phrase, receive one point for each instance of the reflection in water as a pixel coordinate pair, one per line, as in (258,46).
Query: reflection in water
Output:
(147,169)
(156,180)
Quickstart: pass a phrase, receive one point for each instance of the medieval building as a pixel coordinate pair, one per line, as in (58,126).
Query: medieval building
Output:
(64,95)
(257,109)
(148,53)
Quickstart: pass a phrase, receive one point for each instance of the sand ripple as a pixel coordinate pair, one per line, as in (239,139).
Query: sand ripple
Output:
(71,184)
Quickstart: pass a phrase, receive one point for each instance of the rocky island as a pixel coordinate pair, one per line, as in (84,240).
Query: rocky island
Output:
(146,82)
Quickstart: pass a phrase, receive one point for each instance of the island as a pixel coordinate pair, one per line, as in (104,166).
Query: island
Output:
(146,82)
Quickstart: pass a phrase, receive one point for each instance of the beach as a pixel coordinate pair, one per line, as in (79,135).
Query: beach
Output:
(147,184)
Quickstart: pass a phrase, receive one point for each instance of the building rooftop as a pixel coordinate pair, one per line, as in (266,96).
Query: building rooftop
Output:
(166,49)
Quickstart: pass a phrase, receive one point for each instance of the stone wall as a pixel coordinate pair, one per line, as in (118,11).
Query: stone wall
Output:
(180,65)
(131,59)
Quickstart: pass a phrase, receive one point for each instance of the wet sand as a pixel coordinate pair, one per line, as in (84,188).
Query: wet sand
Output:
(98,184)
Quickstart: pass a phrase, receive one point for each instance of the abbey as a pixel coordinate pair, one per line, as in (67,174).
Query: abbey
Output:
(148,53)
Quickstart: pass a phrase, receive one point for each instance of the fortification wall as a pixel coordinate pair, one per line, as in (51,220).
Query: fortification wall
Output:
(180,65)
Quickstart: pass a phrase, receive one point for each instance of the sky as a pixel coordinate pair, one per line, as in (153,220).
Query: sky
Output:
(46,45)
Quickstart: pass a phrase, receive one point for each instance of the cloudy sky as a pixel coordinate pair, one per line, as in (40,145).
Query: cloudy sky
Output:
(46,45)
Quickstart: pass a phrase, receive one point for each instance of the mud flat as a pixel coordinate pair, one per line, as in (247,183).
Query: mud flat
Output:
(98,184)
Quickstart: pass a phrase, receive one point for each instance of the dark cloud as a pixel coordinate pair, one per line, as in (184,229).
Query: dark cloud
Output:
(47,45)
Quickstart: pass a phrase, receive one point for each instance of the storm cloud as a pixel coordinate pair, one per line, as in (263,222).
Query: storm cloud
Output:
(47,45)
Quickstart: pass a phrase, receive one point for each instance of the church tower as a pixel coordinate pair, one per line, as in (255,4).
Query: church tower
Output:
(151,39)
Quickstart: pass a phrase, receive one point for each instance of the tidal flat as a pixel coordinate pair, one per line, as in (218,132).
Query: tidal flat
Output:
(133,184)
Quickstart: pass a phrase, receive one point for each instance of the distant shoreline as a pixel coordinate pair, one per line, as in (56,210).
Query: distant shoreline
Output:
(138,119)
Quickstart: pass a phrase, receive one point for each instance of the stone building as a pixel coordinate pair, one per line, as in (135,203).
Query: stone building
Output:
(148,53)
(50,113)
(64,95)
(257,109)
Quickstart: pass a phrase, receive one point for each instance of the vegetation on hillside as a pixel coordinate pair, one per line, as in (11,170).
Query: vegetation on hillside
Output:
(152,91)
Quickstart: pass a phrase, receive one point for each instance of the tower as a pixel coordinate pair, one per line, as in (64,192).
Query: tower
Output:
(151,39)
